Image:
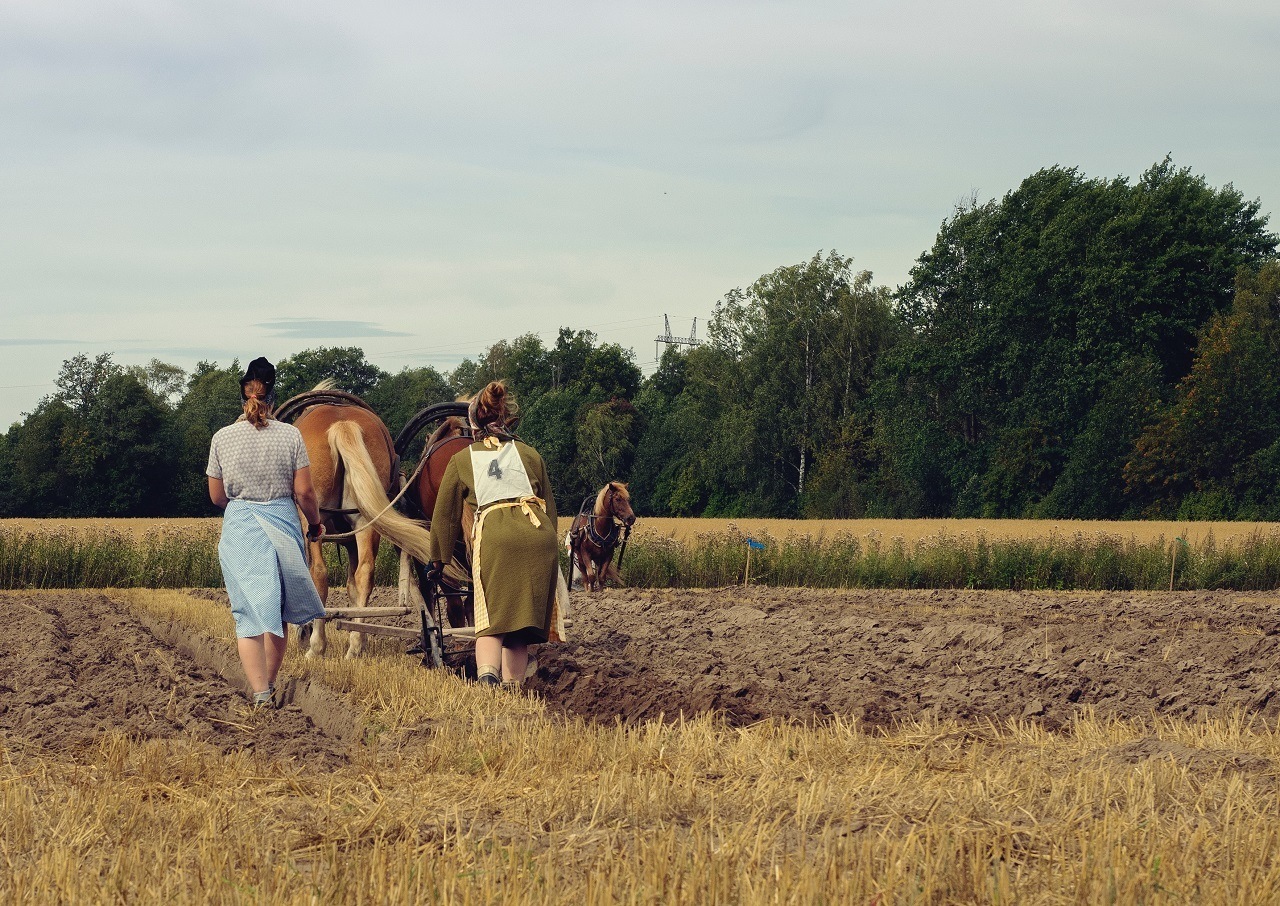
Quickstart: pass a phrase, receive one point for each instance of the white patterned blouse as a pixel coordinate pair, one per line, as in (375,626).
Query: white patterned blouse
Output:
(257,463)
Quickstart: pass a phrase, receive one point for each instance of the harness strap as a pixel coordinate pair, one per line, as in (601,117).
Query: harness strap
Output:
(607,540)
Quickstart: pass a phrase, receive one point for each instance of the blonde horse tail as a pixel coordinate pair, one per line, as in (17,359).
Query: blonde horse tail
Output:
(362,482)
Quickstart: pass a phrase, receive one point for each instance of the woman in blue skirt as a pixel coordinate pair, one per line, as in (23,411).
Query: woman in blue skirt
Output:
(260,473)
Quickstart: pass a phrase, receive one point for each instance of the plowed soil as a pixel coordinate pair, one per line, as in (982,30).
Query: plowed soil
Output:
(884,656)
(74,665)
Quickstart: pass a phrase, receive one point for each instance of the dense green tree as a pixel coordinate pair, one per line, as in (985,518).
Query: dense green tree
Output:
(399,397)
(163,381)
(550,425)
(1214,444)
(1023,308)
(44,480)
(606,442)
(130,465)
(346,366)
(469,376)
(804,341)
(568,358)
(522,363)
(212,401)
(661,451)
(81,378)
(10,498)
(609,372)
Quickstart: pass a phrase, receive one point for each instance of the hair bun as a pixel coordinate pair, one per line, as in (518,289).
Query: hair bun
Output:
(493,404)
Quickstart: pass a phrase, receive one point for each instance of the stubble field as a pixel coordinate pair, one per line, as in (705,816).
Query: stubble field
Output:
(761,745)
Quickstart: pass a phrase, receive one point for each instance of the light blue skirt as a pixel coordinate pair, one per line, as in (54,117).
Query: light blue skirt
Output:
(265,568)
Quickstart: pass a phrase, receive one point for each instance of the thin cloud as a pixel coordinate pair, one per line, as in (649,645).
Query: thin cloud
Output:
(38,341)
(320,329)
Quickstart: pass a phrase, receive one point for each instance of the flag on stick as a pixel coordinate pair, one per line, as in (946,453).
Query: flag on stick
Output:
(752,545)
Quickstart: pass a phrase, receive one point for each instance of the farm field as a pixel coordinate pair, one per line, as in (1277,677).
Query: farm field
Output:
(885,530)
(835,746)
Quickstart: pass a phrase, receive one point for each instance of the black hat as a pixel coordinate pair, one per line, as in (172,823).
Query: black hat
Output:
(260,370)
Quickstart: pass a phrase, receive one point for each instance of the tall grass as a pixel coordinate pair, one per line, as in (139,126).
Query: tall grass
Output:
(1098,562)
(183,558)
(188,558)
(109,559)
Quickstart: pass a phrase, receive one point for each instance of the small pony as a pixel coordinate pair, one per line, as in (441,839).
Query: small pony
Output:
(596,533)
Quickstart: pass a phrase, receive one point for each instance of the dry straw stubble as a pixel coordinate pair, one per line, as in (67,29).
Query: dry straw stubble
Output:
(459,795)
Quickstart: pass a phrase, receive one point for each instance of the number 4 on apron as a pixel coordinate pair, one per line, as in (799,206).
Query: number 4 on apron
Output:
(500,475)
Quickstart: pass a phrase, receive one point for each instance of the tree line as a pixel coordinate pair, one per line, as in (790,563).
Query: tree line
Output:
(1080,348)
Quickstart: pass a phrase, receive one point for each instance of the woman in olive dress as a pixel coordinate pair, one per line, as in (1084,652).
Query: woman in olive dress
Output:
(515,564)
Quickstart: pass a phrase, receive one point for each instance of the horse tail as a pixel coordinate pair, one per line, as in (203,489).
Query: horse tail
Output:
(363,484)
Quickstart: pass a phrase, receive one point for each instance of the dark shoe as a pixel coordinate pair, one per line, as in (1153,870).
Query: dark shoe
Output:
(488,679)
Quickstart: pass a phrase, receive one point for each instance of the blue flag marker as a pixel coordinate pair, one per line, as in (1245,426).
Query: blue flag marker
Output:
(755,545)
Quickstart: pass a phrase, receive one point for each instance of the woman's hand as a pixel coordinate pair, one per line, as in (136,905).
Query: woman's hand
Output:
(435,571)
(315,531)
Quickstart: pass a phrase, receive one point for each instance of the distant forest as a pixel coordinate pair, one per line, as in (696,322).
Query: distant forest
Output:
(1081,348)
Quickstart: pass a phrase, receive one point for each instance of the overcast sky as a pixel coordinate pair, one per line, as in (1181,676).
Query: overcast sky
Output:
(200,180)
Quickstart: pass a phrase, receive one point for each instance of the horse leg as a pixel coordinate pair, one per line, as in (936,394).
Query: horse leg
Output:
(311,636)
(611,572)
(589,578)
(584,562)
(360,583)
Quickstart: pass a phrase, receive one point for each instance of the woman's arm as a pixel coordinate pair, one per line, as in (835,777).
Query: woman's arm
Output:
(446,520)
(218,493)
(304,495)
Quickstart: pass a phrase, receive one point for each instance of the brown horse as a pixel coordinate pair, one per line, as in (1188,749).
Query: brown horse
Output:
(451,436)
(596,533)
(355,470)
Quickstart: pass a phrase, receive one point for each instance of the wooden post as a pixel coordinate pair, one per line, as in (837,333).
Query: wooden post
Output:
(1173,565)
(746,578)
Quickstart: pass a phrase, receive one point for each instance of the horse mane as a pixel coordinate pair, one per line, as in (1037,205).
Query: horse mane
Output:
(618,487)
(327,384)
(450,427)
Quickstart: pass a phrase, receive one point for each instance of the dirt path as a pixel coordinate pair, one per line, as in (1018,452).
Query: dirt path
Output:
(882,656)
(74,665)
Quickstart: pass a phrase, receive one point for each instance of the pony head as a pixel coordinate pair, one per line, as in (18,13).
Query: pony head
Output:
(615,500)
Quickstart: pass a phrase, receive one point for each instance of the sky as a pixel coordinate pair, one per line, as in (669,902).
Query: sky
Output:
(210,181)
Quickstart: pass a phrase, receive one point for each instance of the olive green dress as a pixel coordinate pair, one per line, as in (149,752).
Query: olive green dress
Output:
(516,564)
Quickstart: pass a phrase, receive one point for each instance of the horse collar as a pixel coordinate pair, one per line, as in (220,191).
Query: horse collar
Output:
(606,540)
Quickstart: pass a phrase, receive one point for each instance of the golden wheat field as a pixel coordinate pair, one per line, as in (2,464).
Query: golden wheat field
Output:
(384,782)
(909,530)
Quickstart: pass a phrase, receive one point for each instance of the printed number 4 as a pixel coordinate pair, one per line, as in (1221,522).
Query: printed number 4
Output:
(495,471)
